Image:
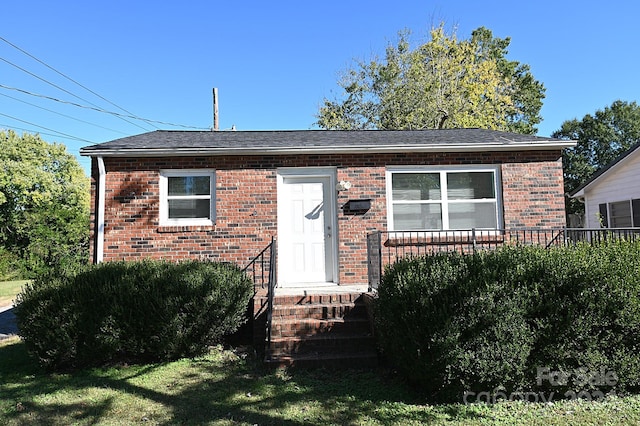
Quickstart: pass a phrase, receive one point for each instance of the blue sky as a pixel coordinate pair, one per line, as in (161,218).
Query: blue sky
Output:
(274,62)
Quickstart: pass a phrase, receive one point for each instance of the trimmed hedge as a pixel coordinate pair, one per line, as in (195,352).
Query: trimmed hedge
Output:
(135,312)
(487,321)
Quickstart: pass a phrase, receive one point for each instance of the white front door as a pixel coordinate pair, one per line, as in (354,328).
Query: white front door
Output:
(305,234)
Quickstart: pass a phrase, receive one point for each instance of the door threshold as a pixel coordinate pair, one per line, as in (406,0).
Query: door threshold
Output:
(320,288)
(308,285)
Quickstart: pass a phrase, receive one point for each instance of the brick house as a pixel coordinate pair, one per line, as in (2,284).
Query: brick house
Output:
(224,195)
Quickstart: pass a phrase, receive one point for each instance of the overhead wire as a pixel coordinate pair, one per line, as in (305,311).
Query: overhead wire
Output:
(64,75)
(126,117)
(55,134)
(62,89)
(61,114)
(97,109)
(46,128)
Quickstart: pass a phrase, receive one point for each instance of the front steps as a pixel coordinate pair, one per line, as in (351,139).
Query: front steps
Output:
(321,330)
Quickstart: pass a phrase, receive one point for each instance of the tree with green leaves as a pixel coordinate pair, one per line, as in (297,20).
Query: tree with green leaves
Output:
(44,203)
(443,83)
(601,138)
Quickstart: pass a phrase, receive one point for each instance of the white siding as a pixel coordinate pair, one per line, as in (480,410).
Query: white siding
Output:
(622,182)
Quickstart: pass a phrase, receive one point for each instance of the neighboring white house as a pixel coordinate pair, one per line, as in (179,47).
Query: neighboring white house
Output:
(612,196)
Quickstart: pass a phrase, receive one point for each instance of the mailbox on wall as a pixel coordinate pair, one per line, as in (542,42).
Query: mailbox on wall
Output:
(355,207)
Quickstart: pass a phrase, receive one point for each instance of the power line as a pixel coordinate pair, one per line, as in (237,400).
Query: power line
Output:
(62,115)
(64,75)
(64,90)
(46,128)
(55,135)
(94,107)
(117,114)
(121,116)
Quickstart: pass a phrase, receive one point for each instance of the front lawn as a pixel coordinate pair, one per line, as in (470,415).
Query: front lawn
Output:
(9,290)
(231,388)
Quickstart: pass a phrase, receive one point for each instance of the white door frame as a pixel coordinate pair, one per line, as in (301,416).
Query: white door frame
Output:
(330,211)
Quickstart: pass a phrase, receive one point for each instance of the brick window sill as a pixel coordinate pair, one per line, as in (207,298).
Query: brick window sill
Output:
(187,228)
(427,239)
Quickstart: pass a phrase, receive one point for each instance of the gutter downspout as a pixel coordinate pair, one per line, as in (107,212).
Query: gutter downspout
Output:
(99,249)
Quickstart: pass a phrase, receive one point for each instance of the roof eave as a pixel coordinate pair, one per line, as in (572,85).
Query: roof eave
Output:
(577,194)
(604,172)
(185,152)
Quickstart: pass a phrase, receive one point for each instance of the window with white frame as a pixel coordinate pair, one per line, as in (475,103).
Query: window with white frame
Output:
(187,197)
(443,199)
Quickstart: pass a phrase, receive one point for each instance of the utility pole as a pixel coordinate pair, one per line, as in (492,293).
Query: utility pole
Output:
(216,123)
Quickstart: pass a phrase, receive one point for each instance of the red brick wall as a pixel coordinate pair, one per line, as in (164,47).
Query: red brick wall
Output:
(246,210)
(533,194)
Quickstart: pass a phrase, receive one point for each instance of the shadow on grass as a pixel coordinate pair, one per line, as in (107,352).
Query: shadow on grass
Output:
(221,387)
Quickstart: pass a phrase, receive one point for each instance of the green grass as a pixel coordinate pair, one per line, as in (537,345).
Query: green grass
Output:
(8,291)
(231,388)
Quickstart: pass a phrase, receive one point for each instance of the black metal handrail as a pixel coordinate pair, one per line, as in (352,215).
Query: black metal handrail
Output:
(260,267)
(262,270)
(271,291)
(386,247)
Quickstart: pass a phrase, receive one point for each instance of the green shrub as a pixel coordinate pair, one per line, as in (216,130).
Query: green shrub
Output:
(588,312)
(131,312)
(454,323)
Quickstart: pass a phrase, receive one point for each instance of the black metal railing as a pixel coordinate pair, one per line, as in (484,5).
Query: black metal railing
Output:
(374,259)
(271,291)
(262,270)
(386,247)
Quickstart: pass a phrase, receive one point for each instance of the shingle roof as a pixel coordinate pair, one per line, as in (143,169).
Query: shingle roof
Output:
(163,142)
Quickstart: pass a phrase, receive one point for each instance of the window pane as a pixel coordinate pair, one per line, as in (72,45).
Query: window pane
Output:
(635,206)
(408,217)
(604,215)
(415,186)
(472,215)
(192,209)
(189,185)
(470,185)
(620,213)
